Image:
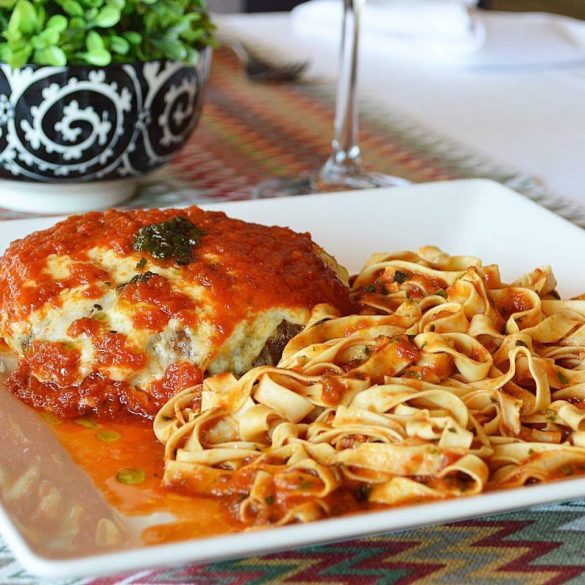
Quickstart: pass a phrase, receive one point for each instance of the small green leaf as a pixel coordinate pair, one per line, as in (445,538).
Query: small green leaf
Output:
(108,436)
(51,56)
(73,8)
(121,46)
(86,422)
(20,58)
(130,476)
(5,52)
(107,17)
(51,419)
(133,38)
(171,48)
(77,22)
(98,58)
(57,23)
(94,42)
(24,18)
(47,38)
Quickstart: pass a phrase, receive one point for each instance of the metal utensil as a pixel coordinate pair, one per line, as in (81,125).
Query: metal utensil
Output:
(259,69)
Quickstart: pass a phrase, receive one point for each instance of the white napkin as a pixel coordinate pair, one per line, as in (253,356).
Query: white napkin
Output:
(452,32)
(530,40)
(435,30)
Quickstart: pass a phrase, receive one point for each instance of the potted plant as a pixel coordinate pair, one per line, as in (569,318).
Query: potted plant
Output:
(94,94)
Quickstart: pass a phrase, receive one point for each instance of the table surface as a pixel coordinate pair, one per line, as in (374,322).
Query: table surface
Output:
(525,117)
(251,131)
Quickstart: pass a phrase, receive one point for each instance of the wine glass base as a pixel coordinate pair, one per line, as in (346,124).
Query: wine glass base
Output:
(290,187)
(284,187)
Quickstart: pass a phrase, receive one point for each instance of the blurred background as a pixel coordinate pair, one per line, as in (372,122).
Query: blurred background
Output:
(575,8)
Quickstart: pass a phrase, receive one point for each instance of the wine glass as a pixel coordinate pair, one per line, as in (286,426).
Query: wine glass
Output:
(343,169)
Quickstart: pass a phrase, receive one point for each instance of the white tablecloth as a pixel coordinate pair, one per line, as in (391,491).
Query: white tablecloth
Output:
(529,117)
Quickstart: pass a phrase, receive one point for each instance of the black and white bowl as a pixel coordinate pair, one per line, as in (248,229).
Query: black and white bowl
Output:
(79,137)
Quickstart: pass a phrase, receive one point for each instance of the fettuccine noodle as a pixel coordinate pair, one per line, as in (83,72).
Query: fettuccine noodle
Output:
(446,382)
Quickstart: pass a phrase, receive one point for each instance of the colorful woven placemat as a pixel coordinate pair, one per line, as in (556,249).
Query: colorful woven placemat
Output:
(250,132)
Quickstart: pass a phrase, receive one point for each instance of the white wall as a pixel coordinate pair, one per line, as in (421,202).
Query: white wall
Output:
(225,5)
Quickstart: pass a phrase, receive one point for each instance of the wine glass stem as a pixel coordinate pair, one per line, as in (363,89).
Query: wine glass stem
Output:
(345,155)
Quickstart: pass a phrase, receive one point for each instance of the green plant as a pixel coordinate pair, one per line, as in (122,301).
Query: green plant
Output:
(100,32)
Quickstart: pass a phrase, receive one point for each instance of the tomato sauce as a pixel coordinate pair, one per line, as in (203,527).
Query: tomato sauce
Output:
(232,254)
(162,303)
(245,269)
(177,377)
(108,451)
(55,360)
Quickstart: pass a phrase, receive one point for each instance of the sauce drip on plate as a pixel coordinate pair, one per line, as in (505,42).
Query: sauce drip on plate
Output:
(125,462)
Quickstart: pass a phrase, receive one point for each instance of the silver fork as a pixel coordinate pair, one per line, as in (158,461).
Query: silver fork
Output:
(258,68)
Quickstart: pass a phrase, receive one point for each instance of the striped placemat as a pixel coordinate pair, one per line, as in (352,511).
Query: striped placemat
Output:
(253,131)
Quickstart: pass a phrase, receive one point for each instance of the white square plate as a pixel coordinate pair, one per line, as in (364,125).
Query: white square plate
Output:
(462,217)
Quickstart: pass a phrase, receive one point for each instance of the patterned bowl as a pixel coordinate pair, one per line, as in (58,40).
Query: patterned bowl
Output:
(78,137)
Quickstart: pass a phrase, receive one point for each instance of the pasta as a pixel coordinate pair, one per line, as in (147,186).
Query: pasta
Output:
(445,382)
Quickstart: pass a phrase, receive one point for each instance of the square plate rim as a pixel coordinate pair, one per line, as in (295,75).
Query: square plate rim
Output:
(271,540)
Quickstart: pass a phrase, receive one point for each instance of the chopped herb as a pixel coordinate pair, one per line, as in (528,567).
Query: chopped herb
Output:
(108,436)
(562,378)
(137,278)
(131,476)
(363,491)
(269,500)
(418,374)
(441,293)
(50,418)
(531,451)
(383,289)
(86,422)
(173,239)
(141,264)
(144,277)
(98,307)
(423,345)
(370,288)
(452,429)
(433,327)
(550,415)
(401,277)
